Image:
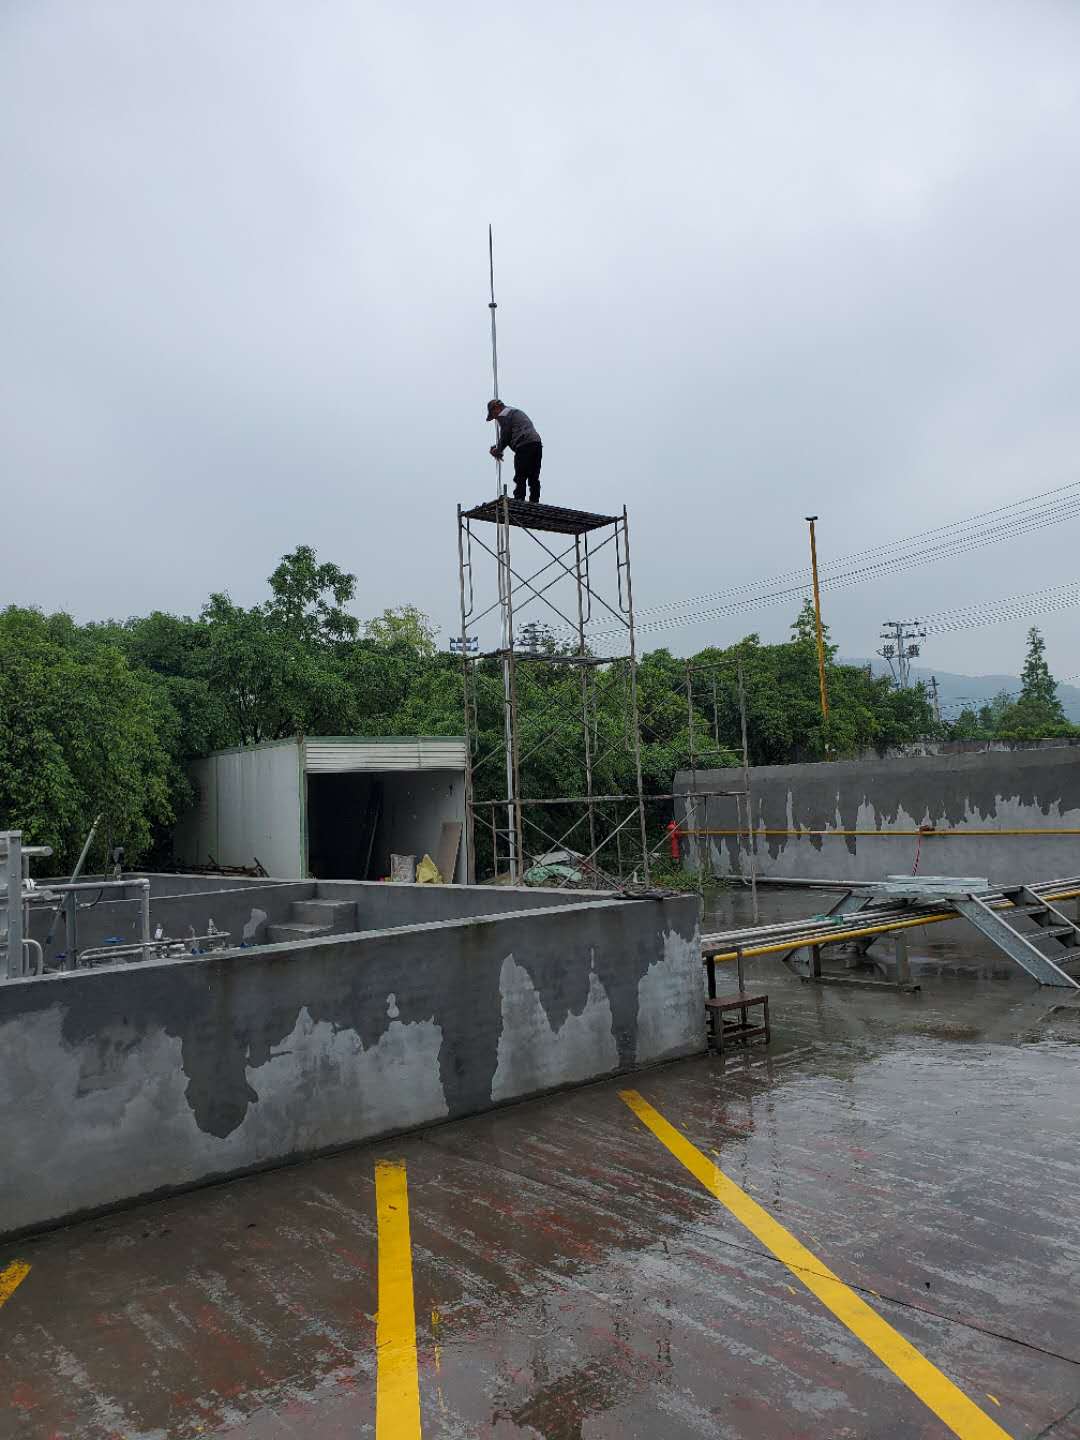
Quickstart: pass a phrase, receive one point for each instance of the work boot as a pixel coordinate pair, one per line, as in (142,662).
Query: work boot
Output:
(519,493)
(534,494)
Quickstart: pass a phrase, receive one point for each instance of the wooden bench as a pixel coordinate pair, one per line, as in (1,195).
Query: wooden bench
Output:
(722,1031)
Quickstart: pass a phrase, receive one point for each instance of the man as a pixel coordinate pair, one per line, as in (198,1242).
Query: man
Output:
(516,433)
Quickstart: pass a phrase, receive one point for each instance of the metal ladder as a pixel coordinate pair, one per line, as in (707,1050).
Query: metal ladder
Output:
(1023,947)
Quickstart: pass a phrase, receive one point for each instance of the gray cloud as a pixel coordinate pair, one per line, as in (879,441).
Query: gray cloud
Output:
(751,260)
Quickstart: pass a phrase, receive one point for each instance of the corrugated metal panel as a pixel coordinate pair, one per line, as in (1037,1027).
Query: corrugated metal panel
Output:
(248,807)
(322,756)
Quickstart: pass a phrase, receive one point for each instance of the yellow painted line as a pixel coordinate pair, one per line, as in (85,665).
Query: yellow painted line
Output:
(935,1390)
(397,1390)
(11,1277)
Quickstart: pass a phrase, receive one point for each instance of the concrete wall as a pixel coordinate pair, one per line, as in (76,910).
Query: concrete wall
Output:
(380,906)
(123,1083)
(970,747)
(993,792)
(248,807)
(245,907)
(243,910)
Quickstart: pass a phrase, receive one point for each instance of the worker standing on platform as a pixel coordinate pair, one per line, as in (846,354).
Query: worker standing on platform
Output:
(517,433)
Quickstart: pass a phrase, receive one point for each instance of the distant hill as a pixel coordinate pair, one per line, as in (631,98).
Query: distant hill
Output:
(956,691)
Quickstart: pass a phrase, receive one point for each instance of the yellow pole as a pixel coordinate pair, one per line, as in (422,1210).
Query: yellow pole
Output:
(817,618)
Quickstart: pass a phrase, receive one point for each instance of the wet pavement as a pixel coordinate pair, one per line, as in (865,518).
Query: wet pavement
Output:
(573,1279)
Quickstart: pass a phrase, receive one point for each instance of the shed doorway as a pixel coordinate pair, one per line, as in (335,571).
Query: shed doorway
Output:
(357,818)
(344,820)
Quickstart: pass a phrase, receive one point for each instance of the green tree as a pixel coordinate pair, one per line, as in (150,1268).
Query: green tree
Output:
(783,700)
(277,668)
(407,626)
(84,733)
(1035,714)
(1038,708)
(966,725)
(308,599)
(1038,685)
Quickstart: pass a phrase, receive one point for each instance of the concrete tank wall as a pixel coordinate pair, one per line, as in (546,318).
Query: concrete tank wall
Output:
(243,911)
(243,908)
(379,905)
(974,801)
(123,1083)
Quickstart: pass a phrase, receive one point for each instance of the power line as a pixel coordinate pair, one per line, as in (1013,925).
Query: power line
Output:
(976,537)
(1012,607)
(1069,505)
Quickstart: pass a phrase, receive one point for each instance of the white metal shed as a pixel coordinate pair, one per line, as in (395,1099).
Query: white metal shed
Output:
(330,806)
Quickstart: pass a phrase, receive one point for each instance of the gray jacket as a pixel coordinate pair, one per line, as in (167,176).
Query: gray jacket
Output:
(515,430)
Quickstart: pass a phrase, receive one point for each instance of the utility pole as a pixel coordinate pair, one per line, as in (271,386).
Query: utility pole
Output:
(935,699)
(901,646)
(817,618)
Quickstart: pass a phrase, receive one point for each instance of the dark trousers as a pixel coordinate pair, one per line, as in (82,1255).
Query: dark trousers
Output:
(527,470)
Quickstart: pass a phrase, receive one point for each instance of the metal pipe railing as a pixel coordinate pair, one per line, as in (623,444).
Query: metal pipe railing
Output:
(94,953)
(862,923)
(73,888)
(34,945)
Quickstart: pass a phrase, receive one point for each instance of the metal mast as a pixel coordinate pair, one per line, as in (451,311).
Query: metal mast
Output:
(506,586)
(574,566)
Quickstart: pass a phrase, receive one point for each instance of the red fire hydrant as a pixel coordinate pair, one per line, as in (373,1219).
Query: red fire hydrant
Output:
(673,838)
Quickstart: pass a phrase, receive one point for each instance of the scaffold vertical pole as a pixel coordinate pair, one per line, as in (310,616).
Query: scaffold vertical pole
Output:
(634,698)
(470,816)
(692,816)
(505,602)
(751,827)
(586,682)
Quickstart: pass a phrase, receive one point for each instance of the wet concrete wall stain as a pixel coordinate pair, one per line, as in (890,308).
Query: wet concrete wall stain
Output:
(433,994)
(534,1054)
(1010,790)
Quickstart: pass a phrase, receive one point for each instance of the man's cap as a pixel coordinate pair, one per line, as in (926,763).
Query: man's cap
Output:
(493,407)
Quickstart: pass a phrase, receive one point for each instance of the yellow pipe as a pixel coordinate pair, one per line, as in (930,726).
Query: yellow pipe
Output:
(885,834)
(833,937)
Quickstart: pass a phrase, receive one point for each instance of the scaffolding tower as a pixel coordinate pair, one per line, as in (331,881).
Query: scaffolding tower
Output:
(570,567)
(536,583)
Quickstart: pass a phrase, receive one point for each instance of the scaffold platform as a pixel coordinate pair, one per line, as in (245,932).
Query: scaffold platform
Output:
(526,515)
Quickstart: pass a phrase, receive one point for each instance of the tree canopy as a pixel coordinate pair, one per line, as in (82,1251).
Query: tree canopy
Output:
(1035,713)
(104,717)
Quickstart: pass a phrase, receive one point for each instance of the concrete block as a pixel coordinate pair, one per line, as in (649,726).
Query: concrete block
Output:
(338,917)
(295,930)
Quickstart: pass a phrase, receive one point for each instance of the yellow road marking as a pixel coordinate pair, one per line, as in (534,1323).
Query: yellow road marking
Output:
(11,1277)
(935,1390)
(397,1390)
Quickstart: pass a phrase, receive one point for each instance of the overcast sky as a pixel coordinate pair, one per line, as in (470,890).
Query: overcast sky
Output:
(752,260)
